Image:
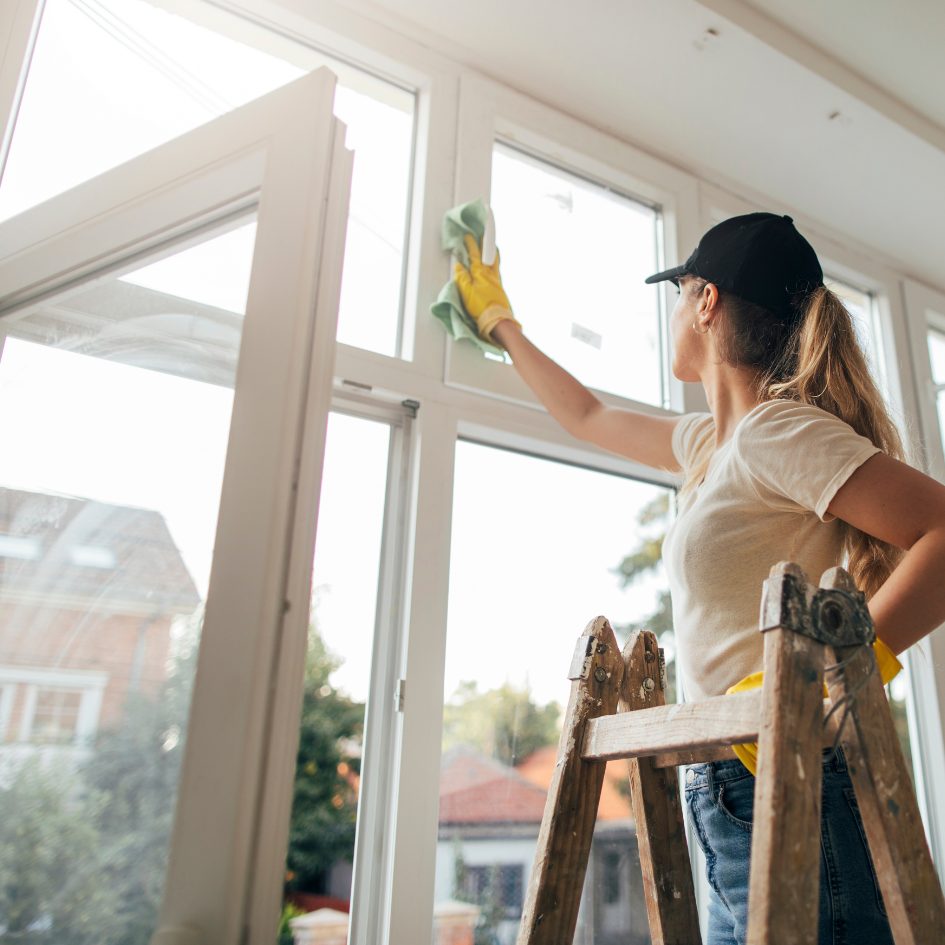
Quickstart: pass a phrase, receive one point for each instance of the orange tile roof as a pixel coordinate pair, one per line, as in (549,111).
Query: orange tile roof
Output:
(539,767)
(479,790)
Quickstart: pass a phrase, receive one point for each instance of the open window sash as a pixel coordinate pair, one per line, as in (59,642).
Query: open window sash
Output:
(283,158)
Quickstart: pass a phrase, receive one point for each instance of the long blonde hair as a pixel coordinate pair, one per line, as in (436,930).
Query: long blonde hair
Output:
(816,360)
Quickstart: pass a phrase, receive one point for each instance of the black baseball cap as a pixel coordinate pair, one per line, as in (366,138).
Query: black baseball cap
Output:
(759,257)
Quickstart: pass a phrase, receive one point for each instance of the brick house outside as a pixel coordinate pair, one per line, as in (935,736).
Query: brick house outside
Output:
(88,595)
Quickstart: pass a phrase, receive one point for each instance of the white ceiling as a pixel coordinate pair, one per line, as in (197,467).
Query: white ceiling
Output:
(897,46)
(748,108)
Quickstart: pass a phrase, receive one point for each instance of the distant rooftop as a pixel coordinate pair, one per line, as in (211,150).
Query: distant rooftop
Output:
(55,546)
(479,790)
(475,790)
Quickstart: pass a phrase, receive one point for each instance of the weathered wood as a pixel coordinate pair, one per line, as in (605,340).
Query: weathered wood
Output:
(721,720)
(786,718)
(910,887)
(698,756)
(551,905)
(785,849)
(654,797)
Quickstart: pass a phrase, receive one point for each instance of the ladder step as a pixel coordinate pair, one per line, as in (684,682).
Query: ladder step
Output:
(682,734)
(721,720)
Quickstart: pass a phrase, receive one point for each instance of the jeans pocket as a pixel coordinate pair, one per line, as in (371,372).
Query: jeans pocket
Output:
(736,801)
(850,796)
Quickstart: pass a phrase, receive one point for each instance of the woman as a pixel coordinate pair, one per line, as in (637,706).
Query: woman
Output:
(798,460)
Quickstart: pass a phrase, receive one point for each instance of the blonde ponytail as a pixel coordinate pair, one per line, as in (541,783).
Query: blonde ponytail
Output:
(818,362)
(830,372)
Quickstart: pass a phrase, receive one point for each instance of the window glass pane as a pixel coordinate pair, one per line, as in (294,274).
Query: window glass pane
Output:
(862,308)
(115,416)
(524,582)
(111,79)
(337,673)
(937,356)
(574,257)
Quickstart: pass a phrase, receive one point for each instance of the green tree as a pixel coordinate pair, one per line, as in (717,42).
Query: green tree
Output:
(504,723)
(83,855)
(324,810)
(50,889)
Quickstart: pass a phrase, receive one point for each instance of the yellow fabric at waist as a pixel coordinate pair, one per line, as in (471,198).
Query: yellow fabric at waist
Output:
(889,668)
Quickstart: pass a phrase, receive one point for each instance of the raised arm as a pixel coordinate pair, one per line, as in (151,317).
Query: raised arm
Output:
(639,436)
(642,437)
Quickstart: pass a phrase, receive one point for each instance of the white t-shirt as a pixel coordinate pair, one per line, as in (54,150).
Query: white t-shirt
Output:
(763,500)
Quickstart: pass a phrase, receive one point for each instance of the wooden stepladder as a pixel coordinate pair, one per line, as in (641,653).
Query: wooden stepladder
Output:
(617,710)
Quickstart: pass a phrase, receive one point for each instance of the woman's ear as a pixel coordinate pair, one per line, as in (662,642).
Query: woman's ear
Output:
(709,299)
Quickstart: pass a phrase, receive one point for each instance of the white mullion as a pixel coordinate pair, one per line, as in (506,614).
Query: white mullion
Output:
(486,418)
(894,339)
(918,302)
(416,813)
(428,267)
(374,842)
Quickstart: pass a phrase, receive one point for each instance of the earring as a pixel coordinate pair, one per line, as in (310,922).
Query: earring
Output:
(704,331)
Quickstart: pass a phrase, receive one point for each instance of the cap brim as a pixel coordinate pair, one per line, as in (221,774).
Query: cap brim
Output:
(673,274)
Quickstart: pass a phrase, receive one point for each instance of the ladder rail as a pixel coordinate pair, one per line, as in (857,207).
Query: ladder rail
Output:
(804,627)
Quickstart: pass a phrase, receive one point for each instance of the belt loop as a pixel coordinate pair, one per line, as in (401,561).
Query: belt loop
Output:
(835,760)
(839,760)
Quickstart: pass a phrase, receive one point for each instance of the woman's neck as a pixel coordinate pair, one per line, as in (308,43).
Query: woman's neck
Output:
(731,393)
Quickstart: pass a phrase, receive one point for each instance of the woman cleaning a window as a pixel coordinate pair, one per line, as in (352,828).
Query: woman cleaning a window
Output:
(797,460)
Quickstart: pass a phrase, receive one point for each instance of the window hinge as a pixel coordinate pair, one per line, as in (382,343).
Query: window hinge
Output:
(399,694)
(412,405)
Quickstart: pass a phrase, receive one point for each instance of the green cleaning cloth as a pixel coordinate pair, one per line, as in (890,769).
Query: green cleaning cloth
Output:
(448,307)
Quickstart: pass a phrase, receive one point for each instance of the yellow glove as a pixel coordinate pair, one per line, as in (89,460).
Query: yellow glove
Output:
(889,668)
(480,288)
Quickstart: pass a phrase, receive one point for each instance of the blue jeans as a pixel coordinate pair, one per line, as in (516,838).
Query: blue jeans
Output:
(720,798)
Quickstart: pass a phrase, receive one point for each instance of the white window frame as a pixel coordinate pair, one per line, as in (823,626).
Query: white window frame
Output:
(490,113)
(295,175)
